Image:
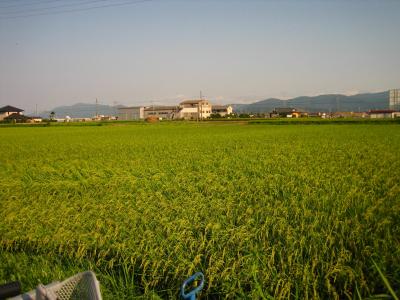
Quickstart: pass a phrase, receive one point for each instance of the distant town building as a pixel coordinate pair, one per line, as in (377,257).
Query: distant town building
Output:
(359,115)
(131,113)
(394,99)
(288,112)
(382,113)
(162,112)
(60,120)
(8,110)
(187,110)
(36,119)
(348,114)
(195,109)
(315,114)
(100,118)
(222,110)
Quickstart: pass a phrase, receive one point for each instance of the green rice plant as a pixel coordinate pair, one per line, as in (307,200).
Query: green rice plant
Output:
(386,281)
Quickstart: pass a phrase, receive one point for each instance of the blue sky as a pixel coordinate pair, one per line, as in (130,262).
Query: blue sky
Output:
(161,51)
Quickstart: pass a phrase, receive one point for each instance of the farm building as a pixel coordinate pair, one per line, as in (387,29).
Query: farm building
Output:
(222,110)
(8,110)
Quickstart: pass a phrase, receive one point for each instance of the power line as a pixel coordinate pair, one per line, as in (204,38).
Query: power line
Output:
(39,9)
(75,10)
(27,4)
(11,1)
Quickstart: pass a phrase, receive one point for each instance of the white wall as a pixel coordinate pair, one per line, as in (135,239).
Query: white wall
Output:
(193,112)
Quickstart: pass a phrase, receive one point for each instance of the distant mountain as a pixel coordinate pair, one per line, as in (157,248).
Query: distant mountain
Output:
(321,103)
(81,110)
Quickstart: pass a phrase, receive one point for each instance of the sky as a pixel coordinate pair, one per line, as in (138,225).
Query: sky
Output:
(134,52)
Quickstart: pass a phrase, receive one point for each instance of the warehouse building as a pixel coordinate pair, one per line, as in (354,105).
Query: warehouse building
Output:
(131,113)
(162,112)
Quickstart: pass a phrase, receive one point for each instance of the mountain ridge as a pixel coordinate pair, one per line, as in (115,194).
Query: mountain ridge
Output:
(81,110)
(320,103)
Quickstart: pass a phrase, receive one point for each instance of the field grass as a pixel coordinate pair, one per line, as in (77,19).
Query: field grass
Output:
(264,211)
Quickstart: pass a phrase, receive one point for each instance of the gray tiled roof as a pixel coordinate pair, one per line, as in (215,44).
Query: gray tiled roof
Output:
(9,108)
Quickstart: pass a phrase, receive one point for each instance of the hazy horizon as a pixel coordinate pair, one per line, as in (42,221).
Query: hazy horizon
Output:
(164,51)
(171,102)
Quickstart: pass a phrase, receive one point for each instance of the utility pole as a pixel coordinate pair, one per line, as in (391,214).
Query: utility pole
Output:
(36,111)
(201,106)
(115,108)
(198,111)
(97,103)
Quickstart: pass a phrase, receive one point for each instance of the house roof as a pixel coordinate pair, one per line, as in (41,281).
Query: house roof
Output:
(9,108)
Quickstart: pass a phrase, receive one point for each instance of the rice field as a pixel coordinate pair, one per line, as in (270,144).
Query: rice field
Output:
(298,212)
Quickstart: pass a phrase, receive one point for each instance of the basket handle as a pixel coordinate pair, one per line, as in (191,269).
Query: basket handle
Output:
(191,295)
